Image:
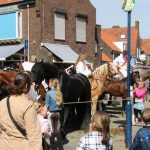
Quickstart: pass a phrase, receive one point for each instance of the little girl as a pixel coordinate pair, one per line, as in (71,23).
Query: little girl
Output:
(139,94)
(54,103)
(98,137)
(45,124)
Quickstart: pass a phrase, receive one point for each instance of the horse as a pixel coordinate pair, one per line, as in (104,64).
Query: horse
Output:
(99,76)
(119,88)
(75,88)
(144,72)
(6,79)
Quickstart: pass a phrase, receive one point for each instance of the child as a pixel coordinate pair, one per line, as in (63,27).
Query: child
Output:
(139,94)
(98,137)
(142,139)
(44,122)
(54,102)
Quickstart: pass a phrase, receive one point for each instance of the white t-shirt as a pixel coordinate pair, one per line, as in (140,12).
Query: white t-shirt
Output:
(120,61)
(82,68)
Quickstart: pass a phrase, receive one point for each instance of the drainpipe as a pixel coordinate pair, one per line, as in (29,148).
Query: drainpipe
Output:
(28,31)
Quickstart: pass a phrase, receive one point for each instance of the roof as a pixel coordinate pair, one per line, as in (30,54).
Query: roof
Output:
(145,45)
(64,52)
(105,57)
(118,31)
(108,39)
(6,51)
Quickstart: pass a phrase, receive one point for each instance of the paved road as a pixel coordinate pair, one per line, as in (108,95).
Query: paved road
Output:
(117,133)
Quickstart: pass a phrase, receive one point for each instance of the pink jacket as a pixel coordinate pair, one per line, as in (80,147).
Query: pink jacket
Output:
(45,126)
(140,93)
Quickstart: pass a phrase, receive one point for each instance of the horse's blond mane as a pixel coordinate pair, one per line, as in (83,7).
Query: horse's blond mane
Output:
(101,71)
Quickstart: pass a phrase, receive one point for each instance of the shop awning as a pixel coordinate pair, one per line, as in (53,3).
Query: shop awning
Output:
(6,51)
(64,52)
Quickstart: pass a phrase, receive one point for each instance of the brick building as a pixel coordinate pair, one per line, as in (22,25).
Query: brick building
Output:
(54,30)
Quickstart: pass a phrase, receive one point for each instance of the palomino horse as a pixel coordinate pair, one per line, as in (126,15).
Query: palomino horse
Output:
(97,81)
(75,88)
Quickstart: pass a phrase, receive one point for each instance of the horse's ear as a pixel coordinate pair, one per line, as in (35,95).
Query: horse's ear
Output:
(41,61)
(35,60)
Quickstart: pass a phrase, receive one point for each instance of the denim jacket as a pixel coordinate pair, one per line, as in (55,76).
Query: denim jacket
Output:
(50,100)
(142,139)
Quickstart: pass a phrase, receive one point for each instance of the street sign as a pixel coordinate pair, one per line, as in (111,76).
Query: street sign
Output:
(26,44)
(128,5)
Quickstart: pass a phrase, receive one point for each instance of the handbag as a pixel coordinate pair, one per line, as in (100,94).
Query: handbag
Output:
(21,130)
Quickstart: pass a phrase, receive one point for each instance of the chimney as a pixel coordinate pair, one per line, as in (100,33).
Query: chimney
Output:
(98,33)
(137,25)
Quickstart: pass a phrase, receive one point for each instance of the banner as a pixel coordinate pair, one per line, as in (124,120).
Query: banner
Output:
(128,5)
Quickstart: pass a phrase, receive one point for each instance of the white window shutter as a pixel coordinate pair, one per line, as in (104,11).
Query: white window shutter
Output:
(59,26)
(80,29)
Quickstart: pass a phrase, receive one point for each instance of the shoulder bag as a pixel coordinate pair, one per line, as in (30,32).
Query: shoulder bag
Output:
(22,131)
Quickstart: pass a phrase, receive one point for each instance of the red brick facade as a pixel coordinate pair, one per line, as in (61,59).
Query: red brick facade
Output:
(41,26)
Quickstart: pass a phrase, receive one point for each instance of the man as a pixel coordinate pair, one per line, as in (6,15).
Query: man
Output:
(142,57)
(121,63)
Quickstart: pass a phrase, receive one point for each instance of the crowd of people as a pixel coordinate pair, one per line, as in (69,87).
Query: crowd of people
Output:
(27,123)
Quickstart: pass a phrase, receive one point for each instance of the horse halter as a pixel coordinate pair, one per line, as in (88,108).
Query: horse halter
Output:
(37,89)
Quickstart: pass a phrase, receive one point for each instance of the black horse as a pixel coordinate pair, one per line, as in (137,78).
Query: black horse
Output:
(74,88)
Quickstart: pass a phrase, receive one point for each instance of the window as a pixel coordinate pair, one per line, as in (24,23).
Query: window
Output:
(81,29)
(13,30)
(123,36)
(59,25)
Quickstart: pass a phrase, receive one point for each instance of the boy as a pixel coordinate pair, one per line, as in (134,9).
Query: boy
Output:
(142,139)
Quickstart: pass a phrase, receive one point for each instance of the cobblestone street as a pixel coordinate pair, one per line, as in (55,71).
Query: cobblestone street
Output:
(116,130)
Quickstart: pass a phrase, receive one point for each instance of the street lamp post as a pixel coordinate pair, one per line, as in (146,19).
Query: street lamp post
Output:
(128,5)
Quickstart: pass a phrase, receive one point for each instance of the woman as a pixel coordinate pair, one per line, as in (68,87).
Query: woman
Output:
(81,66)
(24,114)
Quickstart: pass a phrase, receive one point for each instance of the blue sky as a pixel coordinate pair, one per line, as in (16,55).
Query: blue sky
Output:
(109,13)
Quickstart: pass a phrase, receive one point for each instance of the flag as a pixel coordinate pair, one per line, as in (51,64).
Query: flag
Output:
(128,5)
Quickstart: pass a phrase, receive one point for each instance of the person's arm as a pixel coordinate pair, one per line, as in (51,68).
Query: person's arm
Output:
(33,129)
(45,128)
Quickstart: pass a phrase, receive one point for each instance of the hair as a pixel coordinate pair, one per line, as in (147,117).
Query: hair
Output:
(55,83)
(102,121)
(81,57)
(124,52)
(146,116)
(141,83)
(39,105)
(21,84)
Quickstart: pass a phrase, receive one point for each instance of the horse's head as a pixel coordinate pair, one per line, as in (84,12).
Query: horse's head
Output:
(37,72)
(112,69)
(135,76)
